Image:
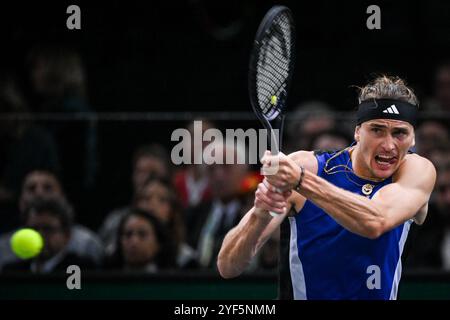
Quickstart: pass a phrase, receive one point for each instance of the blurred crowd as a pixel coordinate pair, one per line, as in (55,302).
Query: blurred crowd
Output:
(176,216)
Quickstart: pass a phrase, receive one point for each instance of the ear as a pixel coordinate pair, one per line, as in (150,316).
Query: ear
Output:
(357,133)
(413,141)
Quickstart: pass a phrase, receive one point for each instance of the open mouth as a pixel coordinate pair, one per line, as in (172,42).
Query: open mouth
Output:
(385,160)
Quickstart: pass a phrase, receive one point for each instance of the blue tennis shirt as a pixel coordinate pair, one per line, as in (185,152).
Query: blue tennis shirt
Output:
(320,259)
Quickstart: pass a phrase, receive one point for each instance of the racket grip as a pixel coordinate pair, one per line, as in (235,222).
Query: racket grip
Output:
(274,214)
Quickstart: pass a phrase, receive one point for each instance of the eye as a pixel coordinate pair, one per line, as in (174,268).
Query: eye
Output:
(376,130)
(400,133)
(31,188)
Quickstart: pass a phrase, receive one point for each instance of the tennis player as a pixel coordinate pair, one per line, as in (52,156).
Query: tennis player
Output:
(348,212)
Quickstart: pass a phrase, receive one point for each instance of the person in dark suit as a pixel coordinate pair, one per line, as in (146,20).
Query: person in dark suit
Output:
(208,222)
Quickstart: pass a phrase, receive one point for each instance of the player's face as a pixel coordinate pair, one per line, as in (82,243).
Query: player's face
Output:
(382,145)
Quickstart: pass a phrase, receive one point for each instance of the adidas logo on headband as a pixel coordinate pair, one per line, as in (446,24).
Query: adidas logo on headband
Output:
(391,109)
(387,109)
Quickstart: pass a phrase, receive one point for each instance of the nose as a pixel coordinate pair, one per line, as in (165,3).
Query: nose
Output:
(388,144)
(132,238)
(39,191)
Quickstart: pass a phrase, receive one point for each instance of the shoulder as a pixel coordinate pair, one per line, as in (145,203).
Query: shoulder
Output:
(415,169)
(413,164)
(305,158)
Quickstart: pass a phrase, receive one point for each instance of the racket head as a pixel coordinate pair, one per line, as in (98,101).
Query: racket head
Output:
(271,66)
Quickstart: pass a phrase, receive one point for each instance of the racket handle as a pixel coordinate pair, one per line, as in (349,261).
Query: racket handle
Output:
(274,214)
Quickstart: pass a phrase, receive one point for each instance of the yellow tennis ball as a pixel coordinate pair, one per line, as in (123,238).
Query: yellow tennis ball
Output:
(273,100)
(26,243)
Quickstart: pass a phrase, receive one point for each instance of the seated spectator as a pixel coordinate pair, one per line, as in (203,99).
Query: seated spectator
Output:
(52,218)
(306,121)
(24,146)
(46,184)
(430,243)
(158,197)
(443,204)
(148,160)
(143,244)
(430,135)
(440,154)
(58,83)
(440,101)
(330,140)
(191,183)
(267,258)
(208,222)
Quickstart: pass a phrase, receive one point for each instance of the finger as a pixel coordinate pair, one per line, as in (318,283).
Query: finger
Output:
(287,194)
(266,184)
(269,184)
(269,201)
(270,197)
(273,196)
(276,185)
(259,203)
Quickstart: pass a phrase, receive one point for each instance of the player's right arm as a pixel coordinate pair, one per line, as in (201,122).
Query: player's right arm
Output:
(243,242)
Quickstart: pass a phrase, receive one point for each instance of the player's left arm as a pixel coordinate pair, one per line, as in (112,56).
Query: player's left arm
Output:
(407,197)
(393,204)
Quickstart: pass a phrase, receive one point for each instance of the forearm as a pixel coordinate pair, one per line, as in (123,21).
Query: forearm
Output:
(354,212)
(241,244)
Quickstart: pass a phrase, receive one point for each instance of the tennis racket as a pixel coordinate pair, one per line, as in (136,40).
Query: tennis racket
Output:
(270,71)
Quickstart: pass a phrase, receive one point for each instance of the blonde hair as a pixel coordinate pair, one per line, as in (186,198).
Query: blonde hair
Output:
(387,87)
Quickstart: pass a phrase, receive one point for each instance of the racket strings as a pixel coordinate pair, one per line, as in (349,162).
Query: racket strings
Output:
(273,66)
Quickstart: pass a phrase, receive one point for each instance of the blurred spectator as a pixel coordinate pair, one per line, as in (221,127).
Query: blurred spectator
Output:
(192,181)
(147,160)
(58,85)
(430,243)
(208,222)
(158,197)
(443,207)
(52,218)
(143,244)
(441,90)
(440,154)
(150,160)
(306,121)
(431,135)
(24,146)
(268,256)
(44,184)
(330,140)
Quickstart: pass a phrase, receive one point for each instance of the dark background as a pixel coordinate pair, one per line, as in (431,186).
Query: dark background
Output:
(160,55)
(192,56)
